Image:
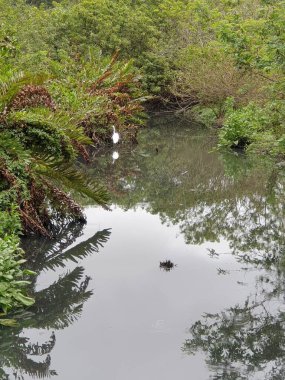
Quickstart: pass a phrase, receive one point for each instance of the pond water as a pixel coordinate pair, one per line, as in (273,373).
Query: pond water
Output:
(106,306)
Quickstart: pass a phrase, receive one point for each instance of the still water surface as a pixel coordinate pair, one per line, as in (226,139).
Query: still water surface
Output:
(106,310)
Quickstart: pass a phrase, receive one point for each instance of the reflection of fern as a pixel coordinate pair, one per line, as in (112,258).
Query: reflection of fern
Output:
(61,303)
(36,369)
(80,251)
(56,307)
(43,349)
(50,255)
(42,249)
(16,356)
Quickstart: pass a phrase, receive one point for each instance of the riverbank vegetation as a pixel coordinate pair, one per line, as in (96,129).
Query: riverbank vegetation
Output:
(223,61)
(69,70)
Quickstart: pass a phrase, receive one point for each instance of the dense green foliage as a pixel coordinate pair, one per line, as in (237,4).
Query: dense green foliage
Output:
(203,53)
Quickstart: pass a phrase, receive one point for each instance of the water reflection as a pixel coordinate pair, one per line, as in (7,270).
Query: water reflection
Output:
(57,306)
(247,340)
(213,197)
(209,198)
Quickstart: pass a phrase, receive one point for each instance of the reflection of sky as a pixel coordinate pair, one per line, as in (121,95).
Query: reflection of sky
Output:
(134,325)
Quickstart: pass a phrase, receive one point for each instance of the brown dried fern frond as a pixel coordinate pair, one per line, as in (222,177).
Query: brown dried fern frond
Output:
(32,96)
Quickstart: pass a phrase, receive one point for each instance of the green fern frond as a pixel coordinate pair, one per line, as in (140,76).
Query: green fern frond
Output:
(72,178)
(12,148)
(60,121)
(10,87)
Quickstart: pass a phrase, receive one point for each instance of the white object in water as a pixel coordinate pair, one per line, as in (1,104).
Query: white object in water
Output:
(116,136)
(115,156)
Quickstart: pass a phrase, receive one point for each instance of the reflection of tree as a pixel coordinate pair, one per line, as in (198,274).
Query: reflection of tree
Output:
(247,340)
(208,195)
(56,307)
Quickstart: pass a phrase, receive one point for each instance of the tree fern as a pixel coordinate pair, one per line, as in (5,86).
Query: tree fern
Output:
(38,153)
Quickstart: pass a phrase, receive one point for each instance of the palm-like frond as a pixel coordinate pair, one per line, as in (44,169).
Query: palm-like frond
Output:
(72,179)
(12,148)
(58,122)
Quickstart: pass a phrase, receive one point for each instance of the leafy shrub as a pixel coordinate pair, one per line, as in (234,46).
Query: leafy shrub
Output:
(204,115)
(11,283)
(243,125)
(208,76)
(12,277)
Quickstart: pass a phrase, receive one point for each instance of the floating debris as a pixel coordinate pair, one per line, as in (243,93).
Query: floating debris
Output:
(212,253)
(222,271)
(167,265)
